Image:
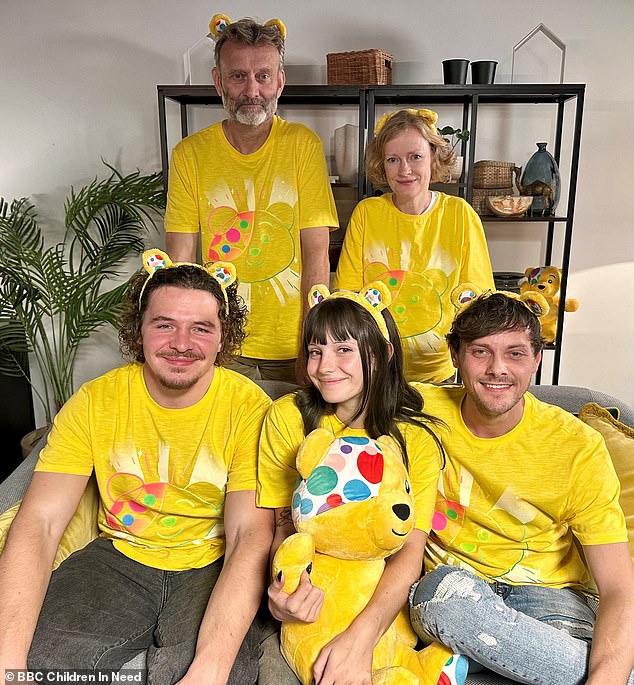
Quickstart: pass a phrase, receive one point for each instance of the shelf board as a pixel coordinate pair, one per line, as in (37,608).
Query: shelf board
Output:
(328,95)
(515,219)
(492,94)
(291,95)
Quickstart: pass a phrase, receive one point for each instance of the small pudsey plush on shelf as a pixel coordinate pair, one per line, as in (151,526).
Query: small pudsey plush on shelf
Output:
(546,280)
(353,508)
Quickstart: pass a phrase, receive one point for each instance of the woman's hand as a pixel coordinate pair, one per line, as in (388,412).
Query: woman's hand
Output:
(304,605)
(345,660)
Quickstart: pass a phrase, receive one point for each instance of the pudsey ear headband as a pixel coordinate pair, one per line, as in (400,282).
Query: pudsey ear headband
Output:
(429,117)
(219,23)
(374,298)
(465,293)
(155,260)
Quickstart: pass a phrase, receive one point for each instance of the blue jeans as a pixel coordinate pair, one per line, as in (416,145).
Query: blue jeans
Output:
(529,634)
(102,608)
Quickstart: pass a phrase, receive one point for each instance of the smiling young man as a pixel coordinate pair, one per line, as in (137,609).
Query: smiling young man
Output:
(527,514)
(255,188)
(172,440)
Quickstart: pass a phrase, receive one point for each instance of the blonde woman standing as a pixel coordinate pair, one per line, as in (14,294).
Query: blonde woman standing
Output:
(421,243)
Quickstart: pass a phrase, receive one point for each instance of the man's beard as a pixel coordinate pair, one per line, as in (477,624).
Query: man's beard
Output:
(250,117)
(177,380)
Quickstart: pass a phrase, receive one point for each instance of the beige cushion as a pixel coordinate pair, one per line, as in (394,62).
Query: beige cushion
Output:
(81,529)
(619,439)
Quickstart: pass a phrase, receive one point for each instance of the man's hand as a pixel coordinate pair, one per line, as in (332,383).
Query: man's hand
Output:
(345,660)
(304,605)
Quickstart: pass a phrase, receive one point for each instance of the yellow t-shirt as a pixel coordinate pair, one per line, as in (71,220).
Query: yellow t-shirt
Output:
(421,259)
(250,210)
(162,473)
(283,433)
(510,508)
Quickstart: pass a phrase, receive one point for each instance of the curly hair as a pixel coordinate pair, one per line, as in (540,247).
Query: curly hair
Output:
(189,277)
(442,156)
(492,313)
(249,32)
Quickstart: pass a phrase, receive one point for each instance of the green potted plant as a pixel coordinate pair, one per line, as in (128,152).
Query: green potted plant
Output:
(454,136)
(54,296)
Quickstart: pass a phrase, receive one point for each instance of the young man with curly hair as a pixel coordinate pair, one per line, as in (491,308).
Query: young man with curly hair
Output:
(172,440)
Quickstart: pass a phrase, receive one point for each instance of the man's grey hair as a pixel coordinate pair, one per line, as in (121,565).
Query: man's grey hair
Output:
(249,32)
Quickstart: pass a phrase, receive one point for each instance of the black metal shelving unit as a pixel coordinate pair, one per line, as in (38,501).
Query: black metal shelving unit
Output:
(471,98)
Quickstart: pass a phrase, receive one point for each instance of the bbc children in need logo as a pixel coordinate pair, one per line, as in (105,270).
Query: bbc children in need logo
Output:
(73,676)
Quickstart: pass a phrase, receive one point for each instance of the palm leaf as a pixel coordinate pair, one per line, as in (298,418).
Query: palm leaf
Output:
(52,297)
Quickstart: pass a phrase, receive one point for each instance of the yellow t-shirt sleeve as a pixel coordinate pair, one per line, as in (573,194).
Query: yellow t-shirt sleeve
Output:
(243,468)
(593,510)
(282,434)
(475,262)
(68,448)
(424,471)
(181,214)
(316,202)
(349,274)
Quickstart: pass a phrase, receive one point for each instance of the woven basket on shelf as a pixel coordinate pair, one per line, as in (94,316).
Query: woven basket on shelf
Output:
(363,67)
(479,200)
(488,173)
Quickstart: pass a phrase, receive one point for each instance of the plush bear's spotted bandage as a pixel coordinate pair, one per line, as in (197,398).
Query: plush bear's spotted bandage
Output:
(352,471)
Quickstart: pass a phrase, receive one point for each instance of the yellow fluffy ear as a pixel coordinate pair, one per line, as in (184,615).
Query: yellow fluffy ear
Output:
(317,293)
(313,450)
(536,302)
(153,260)
(463,294)
(218,24)
(280,25)
(224,272)
(377,294)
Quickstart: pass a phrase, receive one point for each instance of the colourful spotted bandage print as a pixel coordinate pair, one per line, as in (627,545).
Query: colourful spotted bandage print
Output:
(352,471)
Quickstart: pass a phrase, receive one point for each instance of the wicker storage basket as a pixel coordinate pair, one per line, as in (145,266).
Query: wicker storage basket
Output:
(489,173)
(363,68)
(479,200)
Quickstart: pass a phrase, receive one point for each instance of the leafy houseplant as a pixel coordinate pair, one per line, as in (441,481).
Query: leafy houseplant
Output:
(53,297)
(457,135)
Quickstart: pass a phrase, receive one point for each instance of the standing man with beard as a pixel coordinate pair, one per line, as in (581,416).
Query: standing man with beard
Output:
(179,567)
(527,517)
(255,188)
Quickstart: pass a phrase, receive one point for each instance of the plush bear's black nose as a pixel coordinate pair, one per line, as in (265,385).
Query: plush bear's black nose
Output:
(401,510)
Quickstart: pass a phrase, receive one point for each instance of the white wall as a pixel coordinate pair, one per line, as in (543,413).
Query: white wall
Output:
(78,82)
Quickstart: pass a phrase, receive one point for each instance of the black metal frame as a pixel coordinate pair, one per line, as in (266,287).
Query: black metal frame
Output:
(471,97)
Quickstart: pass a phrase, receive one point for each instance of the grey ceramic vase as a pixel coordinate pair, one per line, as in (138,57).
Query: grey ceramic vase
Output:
(541,177)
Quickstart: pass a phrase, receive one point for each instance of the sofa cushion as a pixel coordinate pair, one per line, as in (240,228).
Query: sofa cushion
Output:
(619,439)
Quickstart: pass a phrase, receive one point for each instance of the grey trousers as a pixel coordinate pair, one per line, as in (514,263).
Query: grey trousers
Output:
(102,608)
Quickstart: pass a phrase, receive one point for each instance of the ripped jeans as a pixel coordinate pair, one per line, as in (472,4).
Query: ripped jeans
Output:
(529,634)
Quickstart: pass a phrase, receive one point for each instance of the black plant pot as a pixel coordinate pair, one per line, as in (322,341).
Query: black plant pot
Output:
(483,71)
(455,71)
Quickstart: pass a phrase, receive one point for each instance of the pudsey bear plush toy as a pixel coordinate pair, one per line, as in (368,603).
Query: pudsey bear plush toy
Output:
(352,508)
(546,281)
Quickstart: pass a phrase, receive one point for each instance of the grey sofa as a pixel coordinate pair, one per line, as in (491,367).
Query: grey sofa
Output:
(273,669)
